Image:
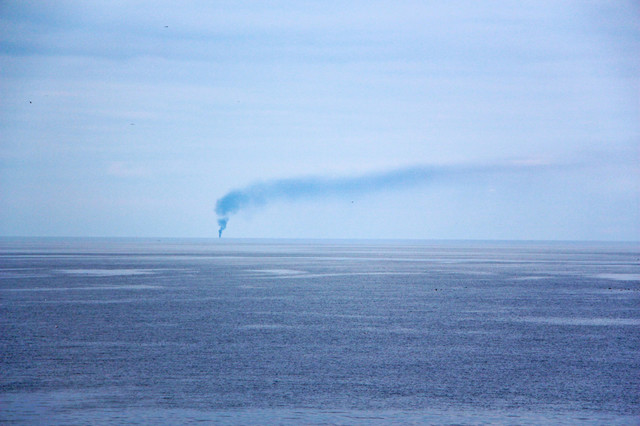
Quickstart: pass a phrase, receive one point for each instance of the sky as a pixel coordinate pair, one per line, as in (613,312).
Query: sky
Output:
(493,120)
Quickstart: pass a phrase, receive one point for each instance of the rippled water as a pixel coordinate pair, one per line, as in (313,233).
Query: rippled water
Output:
(173,331)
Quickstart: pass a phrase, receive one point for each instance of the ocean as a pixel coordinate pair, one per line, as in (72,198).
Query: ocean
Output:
(114,331)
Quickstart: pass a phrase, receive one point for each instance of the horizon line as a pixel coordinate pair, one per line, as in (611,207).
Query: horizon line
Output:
(319,239)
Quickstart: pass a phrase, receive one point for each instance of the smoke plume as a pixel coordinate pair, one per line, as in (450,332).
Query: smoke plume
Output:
(261,193)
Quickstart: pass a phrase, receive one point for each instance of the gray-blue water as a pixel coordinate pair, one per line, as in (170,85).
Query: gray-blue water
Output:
(175,331)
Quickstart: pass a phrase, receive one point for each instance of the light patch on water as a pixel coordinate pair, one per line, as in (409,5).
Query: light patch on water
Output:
(320,314)
(582,321)
(106,287)
(107,272)
(619,277)
(531,278)
(349,274)
(265,326)
(394,330)
(14,275)
(272,297)
(294,273)
(277,271)
(337,315)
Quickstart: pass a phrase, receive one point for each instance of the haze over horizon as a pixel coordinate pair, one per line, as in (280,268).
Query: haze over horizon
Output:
(133,118)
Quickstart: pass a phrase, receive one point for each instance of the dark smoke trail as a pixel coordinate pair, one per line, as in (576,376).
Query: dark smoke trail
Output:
(262,193)
(222,222)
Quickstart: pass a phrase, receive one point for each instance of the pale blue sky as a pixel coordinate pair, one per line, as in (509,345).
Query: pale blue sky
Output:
(132,118)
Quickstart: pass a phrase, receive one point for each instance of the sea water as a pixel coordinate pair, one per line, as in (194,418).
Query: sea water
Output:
(318,332)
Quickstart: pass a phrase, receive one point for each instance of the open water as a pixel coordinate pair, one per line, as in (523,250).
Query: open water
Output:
(318,332)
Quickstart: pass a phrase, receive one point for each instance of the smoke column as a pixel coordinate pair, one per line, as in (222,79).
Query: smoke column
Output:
(261,193)
(222,222)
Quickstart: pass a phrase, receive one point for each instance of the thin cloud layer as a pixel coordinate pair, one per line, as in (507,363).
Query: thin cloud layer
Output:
(122,119)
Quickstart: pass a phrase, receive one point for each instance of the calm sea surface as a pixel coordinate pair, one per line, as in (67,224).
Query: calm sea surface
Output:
(242,331)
